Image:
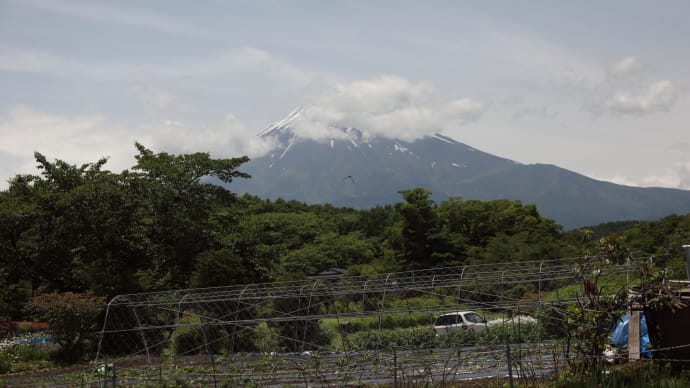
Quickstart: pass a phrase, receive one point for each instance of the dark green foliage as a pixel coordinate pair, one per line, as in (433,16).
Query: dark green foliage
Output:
(418,338)
(389,322)
(6,359)
(419,227)
(72,320)
(422,337)
(191,337)
(84,228)
(180,208)
(299,334)
(223,267)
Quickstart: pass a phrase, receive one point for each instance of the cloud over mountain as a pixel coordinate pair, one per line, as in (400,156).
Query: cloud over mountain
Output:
(387,106)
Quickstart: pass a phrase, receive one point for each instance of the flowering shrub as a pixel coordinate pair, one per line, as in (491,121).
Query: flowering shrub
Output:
(72,319)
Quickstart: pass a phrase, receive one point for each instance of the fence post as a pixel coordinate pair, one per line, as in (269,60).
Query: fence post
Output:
(686,251)
(539,292)
(509,359)
(395,367)
(634,334)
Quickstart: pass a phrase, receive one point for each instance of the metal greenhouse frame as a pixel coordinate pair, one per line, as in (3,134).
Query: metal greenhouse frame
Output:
(300,332)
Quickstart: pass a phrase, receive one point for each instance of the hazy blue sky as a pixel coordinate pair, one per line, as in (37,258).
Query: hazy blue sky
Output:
(598,87)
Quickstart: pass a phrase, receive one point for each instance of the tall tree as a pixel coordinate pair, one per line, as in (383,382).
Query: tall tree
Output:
(419,224)
(182,200)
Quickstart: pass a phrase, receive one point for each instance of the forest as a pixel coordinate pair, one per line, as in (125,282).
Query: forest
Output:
(165,225)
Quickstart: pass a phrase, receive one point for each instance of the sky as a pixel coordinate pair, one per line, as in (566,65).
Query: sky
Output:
(597,87)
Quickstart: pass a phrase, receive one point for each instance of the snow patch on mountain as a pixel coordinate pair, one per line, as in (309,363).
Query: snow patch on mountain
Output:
(281,126)
(444,139)
(286,149)
(400,148)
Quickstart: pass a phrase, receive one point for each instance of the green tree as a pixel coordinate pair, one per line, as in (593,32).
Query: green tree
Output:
(63,217)
(76,227)
(223,267)
(18,246)
(182,200)
(267,239)
(419,224)
(329,250)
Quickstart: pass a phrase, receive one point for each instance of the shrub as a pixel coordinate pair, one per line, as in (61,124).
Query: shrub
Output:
(387,322)
(193,337)
(513,333)
(266,339)
(405,338)
(422,338)
(72,319)
(6,359)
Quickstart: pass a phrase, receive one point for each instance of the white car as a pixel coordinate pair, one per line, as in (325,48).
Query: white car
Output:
(461,320)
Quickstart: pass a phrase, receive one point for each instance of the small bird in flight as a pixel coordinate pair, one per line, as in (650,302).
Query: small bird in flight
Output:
(350,178)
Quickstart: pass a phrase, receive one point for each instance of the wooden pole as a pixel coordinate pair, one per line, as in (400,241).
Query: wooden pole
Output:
(634,334)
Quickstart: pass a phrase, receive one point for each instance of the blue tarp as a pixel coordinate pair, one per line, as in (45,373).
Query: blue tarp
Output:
(619,334)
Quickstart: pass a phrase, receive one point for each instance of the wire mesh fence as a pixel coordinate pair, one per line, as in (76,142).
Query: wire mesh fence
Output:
(336,331)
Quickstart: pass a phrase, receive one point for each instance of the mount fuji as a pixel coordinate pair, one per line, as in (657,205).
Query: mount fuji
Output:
(352,168)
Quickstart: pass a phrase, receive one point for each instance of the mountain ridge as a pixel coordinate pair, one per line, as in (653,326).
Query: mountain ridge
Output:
(313,171)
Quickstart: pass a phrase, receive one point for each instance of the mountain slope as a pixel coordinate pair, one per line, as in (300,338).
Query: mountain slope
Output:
(353,170)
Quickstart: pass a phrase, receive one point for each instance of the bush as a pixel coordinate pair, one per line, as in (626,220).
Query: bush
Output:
(424,338)
(403,338)
(72,319)
(266,339)
(6,359)
(460,337)
(193,337)
(513,333)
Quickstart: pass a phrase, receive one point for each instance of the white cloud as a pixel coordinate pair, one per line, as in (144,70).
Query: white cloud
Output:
(86,138)
(677,177)
(224,139)
(624,67)
(683,172)
(659,96)
(387,106)
(623,92)
(156,99)
(542,112)
(75,139)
